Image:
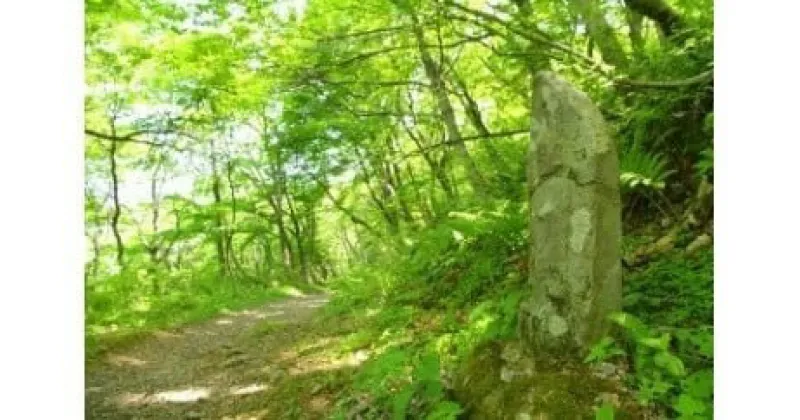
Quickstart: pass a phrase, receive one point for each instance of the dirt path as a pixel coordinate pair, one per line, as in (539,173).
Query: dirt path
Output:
(214,370)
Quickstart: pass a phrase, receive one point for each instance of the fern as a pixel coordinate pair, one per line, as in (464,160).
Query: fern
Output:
(642,170)
(704,168)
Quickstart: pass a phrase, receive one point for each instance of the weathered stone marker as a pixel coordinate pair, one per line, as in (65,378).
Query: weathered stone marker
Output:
(575,221)
(575,226)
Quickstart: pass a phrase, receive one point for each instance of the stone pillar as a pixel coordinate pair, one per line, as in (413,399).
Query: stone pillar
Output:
(575,222)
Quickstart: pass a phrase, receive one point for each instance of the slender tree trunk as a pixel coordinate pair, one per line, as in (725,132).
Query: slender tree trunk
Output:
(153,247)
(474,115)
(394,179)
(116,211)
(229,236)
(298,236)
(425,209)
(315,260)
(433,73)
(275,197)
(266,262)
(391,220)
(96,254)
(216,190)
(283,237)
(337,203)
(177,228)
(634,21)
(436,169)
(667,19)
(349,248)
(601,32)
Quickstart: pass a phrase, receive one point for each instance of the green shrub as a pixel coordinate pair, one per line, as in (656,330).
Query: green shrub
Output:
(668,335)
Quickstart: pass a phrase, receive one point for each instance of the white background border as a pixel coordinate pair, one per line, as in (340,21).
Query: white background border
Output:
(41,210)
(757,116)
(757,253)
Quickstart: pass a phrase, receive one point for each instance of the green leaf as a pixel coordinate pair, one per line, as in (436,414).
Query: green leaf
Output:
(630,323)
(688,406)
(661,343)
(604,412)
(700,384)
(401,401)
(428,369)
(445,410)
(670,363)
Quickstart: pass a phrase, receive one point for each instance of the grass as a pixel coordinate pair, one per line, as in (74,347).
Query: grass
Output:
(116,318)
(376,314)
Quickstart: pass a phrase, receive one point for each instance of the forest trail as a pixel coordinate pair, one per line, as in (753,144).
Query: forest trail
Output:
(218,369)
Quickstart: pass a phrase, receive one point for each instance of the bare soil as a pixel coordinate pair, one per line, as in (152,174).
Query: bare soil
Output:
(219,369)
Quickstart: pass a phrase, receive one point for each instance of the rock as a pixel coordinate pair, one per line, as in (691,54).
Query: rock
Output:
(575,221)
(606,397)
(512,352)
(665,244)
(700,242)
(605,370)
(506,374)
(560,389)
(645,253)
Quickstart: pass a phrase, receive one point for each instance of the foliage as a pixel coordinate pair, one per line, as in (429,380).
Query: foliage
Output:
(673,361)
(378,148)
(705,166)
(125,305)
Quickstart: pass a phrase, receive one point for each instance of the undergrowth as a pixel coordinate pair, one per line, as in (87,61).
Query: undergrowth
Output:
(667,335)
(424,307)
(124,306)
(432,299)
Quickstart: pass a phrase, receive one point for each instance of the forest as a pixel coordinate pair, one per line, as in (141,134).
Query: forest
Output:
(301,209)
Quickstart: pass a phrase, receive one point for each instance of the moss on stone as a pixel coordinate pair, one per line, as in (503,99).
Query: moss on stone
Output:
(557,389)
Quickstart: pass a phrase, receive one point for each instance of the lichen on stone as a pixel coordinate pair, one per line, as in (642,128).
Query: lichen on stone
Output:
(581,225)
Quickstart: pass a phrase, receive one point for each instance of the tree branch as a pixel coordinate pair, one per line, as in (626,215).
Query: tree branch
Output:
(701,78)
(132,137)
(359,34)
(466,138)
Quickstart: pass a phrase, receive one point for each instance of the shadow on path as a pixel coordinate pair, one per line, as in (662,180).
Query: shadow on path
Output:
(217,369)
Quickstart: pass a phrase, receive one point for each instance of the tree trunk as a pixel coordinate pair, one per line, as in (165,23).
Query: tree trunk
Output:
(601,32)
(177,228)
(337,203)
(667,19)
(314,258)
(275,197)
(634,21)
(232,257)
(474,115)
(386,212)
(283,237)
(437,170)
(446,108)
(116,211)
(392,173)
(425,209)
(152,245)
(216,190)
(96,254)
(298,237)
